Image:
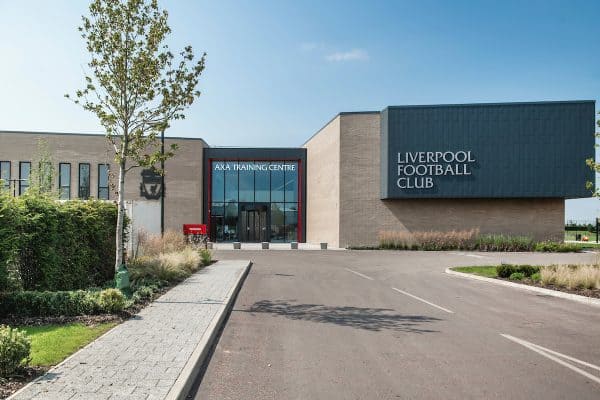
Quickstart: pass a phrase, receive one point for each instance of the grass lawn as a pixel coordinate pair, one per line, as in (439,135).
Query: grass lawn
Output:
(488,272)
(589,245)
(50,344)
(570,235)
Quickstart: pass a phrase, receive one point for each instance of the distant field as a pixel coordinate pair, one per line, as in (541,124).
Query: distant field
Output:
(570,235)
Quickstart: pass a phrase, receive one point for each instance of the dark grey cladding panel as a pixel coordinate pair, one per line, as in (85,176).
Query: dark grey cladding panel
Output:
(520,150)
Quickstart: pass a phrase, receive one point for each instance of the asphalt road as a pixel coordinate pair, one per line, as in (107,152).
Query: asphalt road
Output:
(393,325)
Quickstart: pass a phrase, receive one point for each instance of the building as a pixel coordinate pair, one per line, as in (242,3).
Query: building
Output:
(500,168)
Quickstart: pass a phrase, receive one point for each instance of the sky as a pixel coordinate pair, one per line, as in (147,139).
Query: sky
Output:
(277,71)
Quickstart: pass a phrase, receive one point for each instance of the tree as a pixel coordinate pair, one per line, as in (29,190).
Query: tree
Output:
(136,86)
(41,178)
(595,166)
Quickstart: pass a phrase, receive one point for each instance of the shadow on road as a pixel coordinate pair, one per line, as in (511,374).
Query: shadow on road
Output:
(371,319)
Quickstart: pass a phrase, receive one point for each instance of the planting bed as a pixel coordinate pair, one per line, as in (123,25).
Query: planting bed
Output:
(491,272)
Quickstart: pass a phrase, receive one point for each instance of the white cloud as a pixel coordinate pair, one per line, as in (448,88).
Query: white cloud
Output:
(352,55)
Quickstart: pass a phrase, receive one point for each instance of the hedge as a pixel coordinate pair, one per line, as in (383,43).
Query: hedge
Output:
(50,245)
(61,303)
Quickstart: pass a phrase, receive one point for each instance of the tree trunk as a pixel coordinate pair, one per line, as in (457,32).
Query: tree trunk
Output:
(120,217)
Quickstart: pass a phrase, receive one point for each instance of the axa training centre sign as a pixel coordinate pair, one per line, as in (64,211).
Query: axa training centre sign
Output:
(420,169)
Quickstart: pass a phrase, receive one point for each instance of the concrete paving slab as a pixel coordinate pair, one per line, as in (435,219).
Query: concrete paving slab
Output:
(157,353)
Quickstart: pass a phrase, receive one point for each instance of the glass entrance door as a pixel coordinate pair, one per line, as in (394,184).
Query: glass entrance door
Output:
(254,224)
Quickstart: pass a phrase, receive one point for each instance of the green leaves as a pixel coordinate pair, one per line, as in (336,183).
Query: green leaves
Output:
(594,166)
(136,85)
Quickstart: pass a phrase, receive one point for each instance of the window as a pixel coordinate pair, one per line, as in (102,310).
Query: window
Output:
(231,182)
(84,181)
(262,183)
(246,180)
(24,171)
(64,181)
(254,200)
(291,182)
(218,183)
(5,174)
(277,181)
(103,182)
(277,222)
(291,221)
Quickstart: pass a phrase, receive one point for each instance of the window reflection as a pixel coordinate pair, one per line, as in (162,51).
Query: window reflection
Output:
(246,179)
(291,222)
(291,183)
(262,183)
(277,222)
(277,182)
(231,222)
(218,182)
(231,182)
(268,189)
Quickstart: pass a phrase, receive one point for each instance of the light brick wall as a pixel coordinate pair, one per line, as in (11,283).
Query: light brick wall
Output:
(183,202)
(322,185)
(363,214)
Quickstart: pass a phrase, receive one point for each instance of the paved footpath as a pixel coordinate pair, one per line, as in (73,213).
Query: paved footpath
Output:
(144,357)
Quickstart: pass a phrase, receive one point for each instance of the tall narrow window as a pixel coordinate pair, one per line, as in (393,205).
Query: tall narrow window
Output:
(24,171)
(64,180)
(84,181)
(103,181)
(5,174)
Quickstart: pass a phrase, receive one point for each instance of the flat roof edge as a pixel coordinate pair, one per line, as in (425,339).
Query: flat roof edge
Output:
(507,103)
(84,134)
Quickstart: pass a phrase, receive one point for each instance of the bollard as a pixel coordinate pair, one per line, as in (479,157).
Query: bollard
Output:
(237,245)
(323,245)
(265,245)
(294,245)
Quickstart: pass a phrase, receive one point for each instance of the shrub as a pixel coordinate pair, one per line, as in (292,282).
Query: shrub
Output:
(143,293)
(14,350)
(516,276)
(54,245)
(536,277)
(111,300)
(556,247)
(506,270)
(144,289)
(205,257)
(46,304)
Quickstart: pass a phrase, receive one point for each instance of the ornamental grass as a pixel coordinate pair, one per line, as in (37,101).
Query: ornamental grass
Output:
(431,240)
(169,267)
(153,244)
(571,276)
